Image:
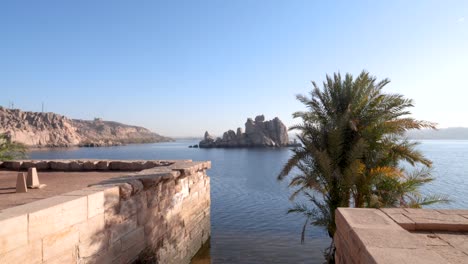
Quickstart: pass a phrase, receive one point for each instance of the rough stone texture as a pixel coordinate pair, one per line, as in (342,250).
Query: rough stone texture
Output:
(163,211)
(397,235)
(85,165)
(258,133)
(53,130)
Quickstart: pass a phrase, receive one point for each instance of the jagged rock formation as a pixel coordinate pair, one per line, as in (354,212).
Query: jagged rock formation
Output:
(53,130)
(258,133)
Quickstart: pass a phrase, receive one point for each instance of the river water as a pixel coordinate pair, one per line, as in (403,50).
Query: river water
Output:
(248,208)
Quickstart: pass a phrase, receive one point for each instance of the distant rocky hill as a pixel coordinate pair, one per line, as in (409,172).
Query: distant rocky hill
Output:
(258,133)
(460,133)
(54,130)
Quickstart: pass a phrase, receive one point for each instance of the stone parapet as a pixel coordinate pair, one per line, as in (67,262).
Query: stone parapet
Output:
(397,235)
(89,165)
(160,212)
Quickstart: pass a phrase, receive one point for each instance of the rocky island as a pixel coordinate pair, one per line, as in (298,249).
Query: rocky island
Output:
(37,129)
(258,133)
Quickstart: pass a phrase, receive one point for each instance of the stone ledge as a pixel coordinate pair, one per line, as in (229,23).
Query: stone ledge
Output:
(382,236)
(429,220)
(95,164)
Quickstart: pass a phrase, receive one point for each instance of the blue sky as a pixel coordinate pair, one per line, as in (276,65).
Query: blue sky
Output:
(183,67)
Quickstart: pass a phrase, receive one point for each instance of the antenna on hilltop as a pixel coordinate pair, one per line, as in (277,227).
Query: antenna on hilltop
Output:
(42,107)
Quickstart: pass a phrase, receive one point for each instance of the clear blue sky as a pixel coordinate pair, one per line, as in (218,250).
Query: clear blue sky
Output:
(183,67)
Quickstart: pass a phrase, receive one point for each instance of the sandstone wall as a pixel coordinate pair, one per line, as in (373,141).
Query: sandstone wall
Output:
(162,213)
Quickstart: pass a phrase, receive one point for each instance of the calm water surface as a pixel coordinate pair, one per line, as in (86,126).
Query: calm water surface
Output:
(248,209)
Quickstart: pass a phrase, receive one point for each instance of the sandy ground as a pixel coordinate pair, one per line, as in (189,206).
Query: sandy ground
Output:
(57,183)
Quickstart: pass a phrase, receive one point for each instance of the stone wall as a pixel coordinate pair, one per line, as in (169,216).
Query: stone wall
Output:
(162,213)
(397,235)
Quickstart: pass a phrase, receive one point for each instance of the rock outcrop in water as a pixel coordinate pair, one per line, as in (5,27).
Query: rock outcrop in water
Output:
(258,133)
(52,130)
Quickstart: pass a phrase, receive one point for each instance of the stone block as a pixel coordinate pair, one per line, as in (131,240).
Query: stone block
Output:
(21,183)
(125,191)
(32,180)
(93,245)
(435,221)
(128,207)
(96,203)
(30,254)
(403,221)
(395,255)
(150,164)
(453,211)
(125,165)
(429,238)
(137,186)
(69,256)
(111,196)
(12,165)
(13,231)
(27,164)
(95,198)
(91,228)
(150,181)
(450,254)
(89,165)
(364,218)
(102,165)
(122,228)
(42,165)
(60,243)
(60,165)
(109,256)
(131,254)
(386,238)
(456,240)
(76,165)
(50,215)
(134,237)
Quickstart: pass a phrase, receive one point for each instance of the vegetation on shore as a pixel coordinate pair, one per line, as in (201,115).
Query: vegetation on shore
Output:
(11,150)
(353,137)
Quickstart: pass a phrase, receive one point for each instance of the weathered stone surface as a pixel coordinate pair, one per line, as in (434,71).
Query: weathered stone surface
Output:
(102,165)
(93,245)
(42,165)
(13,231)
(258,133)
(31,253)
(59,242)
(132,238)
(60,165)
(125,190)
(21,183)
(89,165)
(76,165)
(123,228)
(91,228)
(53,130)
(55,214)
(12,165)
(32,181)
(390,256)
(368,236)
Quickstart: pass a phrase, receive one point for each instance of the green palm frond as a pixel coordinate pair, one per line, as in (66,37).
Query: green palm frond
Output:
(353,140)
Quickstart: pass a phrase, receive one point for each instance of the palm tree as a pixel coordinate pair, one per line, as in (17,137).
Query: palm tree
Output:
(353,143)
(10,150)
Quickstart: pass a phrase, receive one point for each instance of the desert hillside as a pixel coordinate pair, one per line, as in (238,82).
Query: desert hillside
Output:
(53,130)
